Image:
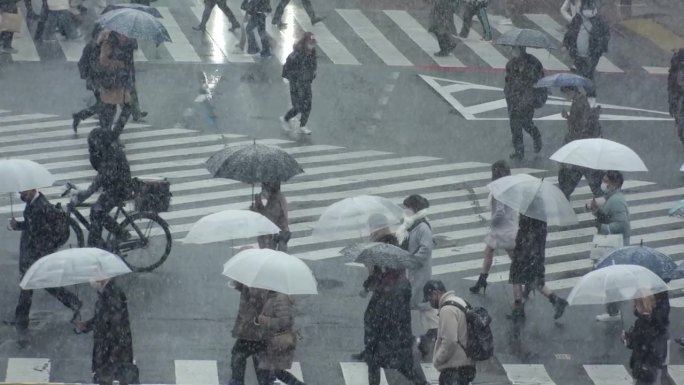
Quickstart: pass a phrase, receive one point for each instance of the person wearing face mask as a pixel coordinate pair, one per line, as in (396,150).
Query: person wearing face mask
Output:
(112,338)
(586,41)
(415,236)
(612,218)
(300,70)
(583,123)
(35,244)
(272,204)
(522,72)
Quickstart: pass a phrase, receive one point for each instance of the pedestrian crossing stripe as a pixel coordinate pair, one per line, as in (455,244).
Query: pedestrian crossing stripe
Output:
(37,371)
(217,46)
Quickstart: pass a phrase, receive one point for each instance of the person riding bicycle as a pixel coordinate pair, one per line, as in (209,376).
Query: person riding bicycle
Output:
(113,178)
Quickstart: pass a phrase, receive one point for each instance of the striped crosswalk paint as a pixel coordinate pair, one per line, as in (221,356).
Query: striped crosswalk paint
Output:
(609,374)
(196,372)
(483,49)
(373,37)
(23,43)
(179,48)
(28,370)
(523,374)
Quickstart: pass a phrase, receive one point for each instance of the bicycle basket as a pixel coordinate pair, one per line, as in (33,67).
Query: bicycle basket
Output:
(152,195)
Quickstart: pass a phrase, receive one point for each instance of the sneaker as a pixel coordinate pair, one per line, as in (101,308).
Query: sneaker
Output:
(605,317)
(285,124)
(537,146)
(442,53)
(304,130)
(317,19)
(506,21)
(359,356)
(234,27)
(139,117)
(281,25)
(592,101)
(559,306)
(9,50)
(200,28)
(74,124)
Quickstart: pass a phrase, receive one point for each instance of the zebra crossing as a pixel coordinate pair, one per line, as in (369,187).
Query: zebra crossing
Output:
(206,372)
(457,191)
(342,39)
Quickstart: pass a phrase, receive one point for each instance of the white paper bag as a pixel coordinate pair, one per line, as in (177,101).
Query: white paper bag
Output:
(604,244)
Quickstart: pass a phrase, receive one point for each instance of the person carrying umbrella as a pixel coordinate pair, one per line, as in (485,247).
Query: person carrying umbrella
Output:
(583,123)
(645,361)
(442,25)
(248,337)
(275,209)
(675,91)
(300,70)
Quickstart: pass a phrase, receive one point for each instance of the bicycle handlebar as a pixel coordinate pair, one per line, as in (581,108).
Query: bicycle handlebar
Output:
(69,186)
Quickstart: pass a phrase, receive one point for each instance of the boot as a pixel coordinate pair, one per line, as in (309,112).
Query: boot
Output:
(518,313)
(361,356)
(480,284)
(559,306)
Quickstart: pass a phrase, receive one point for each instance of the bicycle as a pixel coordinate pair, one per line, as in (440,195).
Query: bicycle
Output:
(136,249)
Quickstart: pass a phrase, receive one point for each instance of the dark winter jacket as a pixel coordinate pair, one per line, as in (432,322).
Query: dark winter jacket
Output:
(300,66)
(521,74)
(530,243)
(258,6)
(110,162)
(112,340)
(675,88)
(582,124)
(388,336)
(34,242)
(641,340)
(598,37)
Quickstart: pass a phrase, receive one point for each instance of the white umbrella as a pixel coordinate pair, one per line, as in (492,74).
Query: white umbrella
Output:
(72,267)
(599,154)
(271,270)
(351,216)
(615,283)
(229,224)
(535,198)
(21,175)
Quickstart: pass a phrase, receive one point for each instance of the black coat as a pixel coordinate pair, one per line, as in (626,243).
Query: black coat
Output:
(527,264)
(521,74)
(300,66)
(258,6)
(598,37)
(112,340)
(35,242)
(642,341)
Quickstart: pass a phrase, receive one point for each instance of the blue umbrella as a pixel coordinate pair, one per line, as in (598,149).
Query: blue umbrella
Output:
(134,24)
(563,80)
(660,264)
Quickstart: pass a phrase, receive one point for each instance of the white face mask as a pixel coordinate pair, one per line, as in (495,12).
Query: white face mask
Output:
(590,12)
(408,212)
(605,188)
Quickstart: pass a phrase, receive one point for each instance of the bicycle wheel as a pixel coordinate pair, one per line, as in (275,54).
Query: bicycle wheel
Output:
(76,238)
(149,242)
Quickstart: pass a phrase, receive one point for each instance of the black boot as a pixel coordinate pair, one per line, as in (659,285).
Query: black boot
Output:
(518,313)
(480,284)
(361,356)
(559,305)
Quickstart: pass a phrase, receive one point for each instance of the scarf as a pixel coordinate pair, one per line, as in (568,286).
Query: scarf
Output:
(407,224)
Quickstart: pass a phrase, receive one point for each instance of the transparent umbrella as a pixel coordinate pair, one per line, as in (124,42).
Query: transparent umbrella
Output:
(352,215)
(615,283)
(228,225)
(21,175)
(599,154)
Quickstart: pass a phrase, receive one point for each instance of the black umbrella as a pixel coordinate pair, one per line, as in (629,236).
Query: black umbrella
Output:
(380,254)
(152,11)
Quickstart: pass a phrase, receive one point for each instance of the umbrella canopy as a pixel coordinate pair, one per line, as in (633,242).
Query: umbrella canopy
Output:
(660,264)
(144,8)
(380,254)
(526,38)
(354,214)
(134,24)
(677,210)
(563,80)
(253,163)
(599,154)
(229,224)
(535,198)
(21,175)
(72,267)
(271,270)
(614,284)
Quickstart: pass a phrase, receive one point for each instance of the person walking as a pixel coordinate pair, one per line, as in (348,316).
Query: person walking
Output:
(569,9)
(257,10)
(476,8)
(278,14)
(276,324)
(115,80)
(583,123)
(60,19)
(249,339)
(502,231)
(442,25)
(527,268)
(275,209)
(612,218)
(675,91)
(209,6)
(522,73)
(34,244)
(586,41)
(415,236)
(8,7)
(388,339)
(450,358)
(112,338)
(300,70)
(88,66)
(645,361)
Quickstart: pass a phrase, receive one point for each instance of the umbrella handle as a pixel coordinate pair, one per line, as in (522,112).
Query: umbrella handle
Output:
(11,205)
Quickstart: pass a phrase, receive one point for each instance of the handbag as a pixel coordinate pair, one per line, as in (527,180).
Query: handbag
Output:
(10,22)
(283,341)
(604,244)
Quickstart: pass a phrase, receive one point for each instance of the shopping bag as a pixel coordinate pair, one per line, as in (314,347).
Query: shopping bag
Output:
(604,244)
(10,22)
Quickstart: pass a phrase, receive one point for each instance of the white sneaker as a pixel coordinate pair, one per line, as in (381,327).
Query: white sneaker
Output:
(506,21)
(285,124)
(304,130)
(605,317)
(592,102)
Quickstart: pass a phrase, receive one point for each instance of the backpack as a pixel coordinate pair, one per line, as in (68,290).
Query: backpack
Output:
(480,345)
(89,61)
(57,224)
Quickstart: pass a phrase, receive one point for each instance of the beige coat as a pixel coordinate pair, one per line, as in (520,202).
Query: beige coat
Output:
(117,94)
(277,316)
(252,302)
(452,330)
(276,211)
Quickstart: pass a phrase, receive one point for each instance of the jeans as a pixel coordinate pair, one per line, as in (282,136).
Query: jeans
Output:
(238,358)
(463,375)
(209,6)
(569,177)
(23,309)
(61,21)
(301,97)
(257,23)
(586,67)
(521,119)
(99,218)
(481,13)
(278,14)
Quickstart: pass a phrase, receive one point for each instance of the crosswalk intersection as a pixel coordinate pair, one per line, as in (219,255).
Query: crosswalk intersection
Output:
(457,192)
(395,38)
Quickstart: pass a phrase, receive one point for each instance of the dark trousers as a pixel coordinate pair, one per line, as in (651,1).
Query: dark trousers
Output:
(457,376)
(42,20)
(301,97)
(91,110)
(679,123)
(409,367)
(481,13)
(521,119)
(238,358)
(62,22)
(586,67)
(613,308)
(23,309)
(107,112)
(6,39)
(445,41)
(278,14)
(209,6)
(267,377)
(257,21)
(135,103)
(99,218)
(569,177)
